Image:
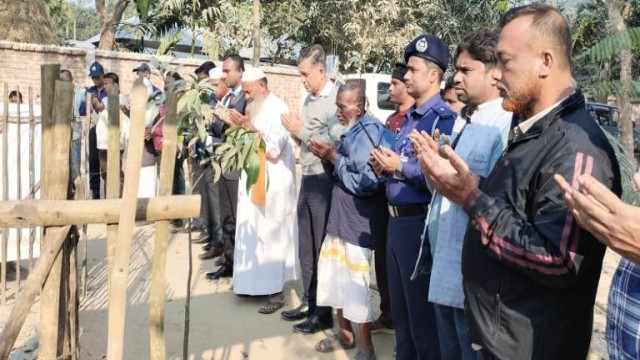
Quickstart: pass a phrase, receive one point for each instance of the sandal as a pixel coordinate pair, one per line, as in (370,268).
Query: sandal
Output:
(329,344)
(270,307)
(362,356)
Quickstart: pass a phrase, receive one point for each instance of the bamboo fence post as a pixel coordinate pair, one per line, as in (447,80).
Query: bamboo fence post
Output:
(84,178)
(32,173)
(19,183)
(56,136)
(32,286)
(187,304)
(73,298)
(112,190)
(156,297)
(5,189)
(120,273)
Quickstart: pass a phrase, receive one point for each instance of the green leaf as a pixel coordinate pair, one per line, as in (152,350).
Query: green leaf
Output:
(202,131)
(252,169)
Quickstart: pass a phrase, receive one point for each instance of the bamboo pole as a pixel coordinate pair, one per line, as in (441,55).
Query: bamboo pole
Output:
(120,273)
(19,184)
(187,304)
(56,135)
(32,287)
(5,189)
(85,187)
(29,213)
(32,171)
(112,190)
(156,297)
(73,297)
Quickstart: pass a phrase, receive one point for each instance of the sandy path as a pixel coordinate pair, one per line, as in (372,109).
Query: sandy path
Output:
(223,326)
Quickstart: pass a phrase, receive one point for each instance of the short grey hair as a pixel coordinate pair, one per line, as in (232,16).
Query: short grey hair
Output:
(314,53)
(357,89)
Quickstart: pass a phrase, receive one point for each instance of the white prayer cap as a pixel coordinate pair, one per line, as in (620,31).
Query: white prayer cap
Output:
(253,74)
(216,74)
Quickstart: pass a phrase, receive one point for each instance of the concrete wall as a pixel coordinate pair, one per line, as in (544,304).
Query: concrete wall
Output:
(20,66)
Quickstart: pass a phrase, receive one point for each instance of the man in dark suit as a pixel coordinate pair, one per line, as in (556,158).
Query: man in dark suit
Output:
(232,68)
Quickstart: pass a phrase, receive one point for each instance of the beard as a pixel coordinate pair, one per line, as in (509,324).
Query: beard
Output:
(254,106)
(520,100)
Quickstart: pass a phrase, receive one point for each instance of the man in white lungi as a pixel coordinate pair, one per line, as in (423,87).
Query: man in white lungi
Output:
(266,244)
(356,220)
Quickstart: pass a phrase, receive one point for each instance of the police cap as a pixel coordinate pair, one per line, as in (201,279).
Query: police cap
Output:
(429,47)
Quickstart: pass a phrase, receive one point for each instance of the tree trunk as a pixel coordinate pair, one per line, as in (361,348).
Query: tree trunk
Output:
(618,12)
(256,33)
(26,21)
(109,23)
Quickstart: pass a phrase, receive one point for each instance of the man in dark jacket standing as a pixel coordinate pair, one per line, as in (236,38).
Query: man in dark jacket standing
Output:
(530,272)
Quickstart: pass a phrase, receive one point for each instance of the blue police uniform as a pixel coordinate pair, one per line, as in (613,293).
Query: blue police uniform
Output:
(94,163)
(409,198)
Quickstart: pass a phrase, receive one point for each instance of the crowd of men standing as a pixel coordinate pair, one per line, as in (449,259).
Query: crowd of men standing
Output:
(482,249)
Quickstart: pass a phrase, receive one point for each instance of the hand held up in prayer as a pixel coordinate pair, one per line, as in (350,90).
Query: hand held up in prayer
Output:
(603,214)
(384,160)
(324,150)
(238,119)
(291,123)
(445,170)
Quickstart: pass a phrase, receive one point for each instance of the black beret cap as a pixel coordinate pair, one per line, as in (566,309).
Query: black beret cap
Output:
(428,47)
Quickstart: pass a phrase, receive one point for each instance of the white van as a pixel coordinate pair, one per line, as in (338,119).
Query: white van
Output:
(377,91)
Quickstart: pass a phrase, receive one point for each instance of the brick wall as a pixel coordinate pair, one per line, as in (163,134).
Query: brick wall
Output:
(20,66)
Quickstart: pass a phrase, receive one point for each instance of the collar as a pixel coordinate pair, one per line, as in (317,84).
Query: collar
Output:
(422,109)
(236,90)
(325,92)
(524,126)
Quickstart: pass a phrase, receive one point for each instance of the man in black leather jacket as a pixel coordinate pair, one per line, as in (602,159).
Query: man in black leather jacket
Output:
(530,272)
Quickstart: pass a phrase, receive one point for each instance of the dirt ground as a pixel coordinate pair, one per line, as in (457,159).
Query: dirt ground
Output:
(223,326)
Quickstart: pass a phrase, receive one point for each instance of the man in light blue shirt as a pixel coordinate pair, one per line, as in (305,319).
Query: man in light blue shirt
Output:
(479,137)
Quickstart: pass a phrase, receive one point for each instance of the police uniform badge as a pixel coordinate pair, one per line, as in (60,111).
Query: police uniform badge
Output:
(422,45)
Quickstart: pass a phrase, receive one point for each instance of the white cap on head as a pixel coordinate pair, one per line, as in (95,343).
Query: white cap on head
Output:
(253,74)
(216,74)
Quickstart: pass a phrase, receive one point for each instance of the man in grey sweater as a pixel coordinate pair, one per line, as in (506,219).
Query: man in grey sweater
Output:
(314,199)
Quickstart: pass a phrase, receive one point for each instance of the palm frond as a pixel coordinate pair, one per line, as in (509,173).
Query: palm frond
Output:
(614,87)
(168,40)
(611,46)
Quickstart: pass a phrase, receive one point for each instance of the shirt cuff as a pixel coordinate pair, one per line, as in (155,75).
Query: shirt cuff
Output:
(471,200)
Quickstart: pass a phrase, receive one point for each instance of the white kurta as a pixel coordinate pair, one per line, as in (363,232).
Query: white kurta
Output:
(266,237)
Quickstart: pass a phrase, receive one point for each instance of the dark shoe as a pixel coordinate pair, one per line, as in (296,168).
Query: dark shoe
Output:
(176,226)
(202,239)
(312,325)
(223,272)
(206,247)
(95,195)
(221,261)
(296,314)
(211,253)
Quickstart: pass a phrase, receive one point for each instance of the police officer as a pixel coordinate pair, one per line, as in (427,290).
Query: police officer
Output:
(427,58)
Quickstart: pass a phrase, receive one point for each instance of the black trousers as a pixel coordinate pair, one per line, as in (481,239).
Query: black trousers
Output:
(209,203)
(228,191)
(314,203)
(94,164)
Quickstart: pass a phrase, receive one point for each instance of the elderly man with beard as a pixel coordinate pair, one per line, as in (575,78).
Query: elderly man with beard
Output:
(530,272)
(356,221)
(265,247)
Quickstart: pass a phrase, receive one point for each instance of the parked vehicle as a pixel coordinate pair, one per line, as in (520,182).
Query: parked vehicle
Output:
(609,118)
(377,91)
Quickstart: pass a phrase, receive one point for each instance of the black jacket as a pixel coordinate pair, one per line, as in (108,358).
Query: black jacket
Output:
(530,272)
(239,103)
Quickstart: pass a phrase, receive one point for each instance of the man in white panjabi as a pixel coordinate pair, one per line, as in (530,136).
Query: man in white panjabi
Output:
(266,234)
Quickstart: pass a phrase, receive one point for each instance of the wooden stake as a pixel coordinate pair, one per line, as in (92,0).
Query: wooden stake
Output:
(5,189)
(83,181)
(112,190)
(156,297)
(29,213)
(32,286)
(120,273)
(19,185)
(56,136)
(32,171)
(187,304)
